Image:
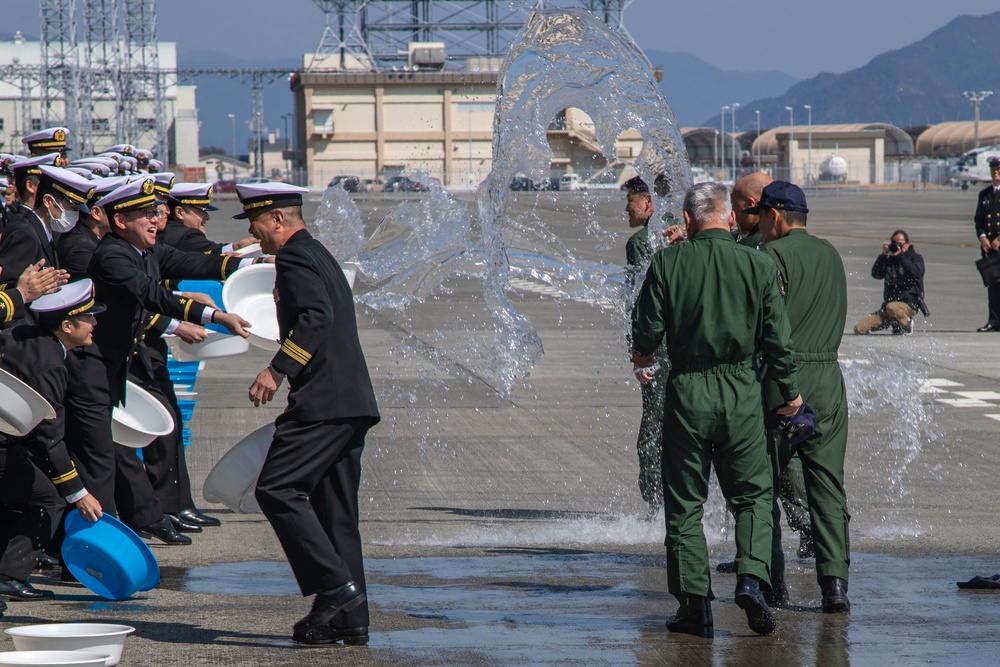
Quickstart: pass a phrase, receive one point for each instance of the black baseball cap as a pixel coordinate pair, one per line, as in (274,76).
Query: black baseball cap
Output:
(781,195)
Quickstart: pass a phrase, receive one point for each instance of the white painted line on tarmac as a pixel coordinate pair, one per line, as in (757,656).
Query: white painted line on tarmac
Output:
(964,402)
(997,417)
(979,395)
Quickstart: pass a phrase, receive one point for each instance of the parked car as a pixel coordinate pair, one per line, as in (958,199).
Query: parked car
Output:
(224,186)
(349,183)
(571,182)
(521,183)
(404,184)
(371,185)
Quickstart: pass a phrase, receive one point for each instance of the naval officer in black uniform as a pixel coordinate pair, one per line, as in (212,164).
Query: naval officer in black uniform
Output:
(60,199)
(189,207)
(126,269)
(988,230)
(308,487)
(49,140)
(37,477)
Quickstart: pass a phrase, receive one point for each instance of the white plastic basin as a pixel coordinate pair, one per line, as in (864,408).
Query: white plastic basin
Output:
(216,346)
(101,638)
(141,420)
(21,407)
(53,658)
(350,270)
(233,480)
(252,250)
(249,293)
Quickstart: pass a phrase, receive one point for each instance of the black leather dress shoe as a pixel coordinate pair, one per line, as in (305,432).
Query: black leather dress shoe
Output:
(834,595)
(195,516)
(164,531)
(693,617)
(751,600)
(328,604)
(183,526)
(728,567)
(47,562)
(22,590)
(328,634)
(989,326)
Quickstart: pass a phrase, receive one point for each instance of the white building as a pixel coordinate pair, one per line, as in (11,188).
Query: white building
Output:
(181,109)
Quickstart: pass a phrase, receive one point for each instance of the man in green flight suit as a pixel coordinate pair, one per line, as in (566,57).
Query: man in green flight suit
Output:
(718,307)
(639,209)
(790,488)
(816,298)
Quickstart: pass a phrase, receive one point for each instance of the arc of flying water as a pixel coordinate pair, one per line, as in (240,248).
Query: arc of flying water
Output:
(562,59)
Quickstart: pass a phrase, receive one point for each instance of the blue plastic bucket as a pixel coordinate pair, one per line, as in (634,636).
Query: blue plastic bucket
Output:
(108,557)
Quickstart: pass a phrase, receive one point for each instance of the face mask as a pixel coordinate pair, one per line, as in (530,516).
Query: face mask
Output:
(65,222)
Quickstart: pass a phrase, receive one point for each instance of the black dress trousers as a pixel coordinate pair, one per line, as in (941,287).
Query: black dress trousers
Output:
(30,511)
(308,490)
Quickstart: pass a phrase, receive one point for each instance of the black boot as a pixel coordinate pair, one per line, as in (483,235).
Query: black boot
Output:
(775,596)
(834,595)
(693,617)
(750,599)
(807,548)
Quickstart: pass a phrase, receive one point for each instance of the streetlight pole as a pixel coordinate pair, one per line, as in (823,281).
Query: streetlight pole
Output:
(976,99)
(288,169)
(722,143)
(758,138)
(232,117)
(736,105)
(791,140)
(808,107)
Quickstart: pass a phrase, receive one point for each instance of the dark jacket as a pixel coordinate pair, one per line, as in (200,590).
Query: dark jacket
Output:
(129,285)
(25,242)
(74,249)
(904,278)
(176,235)
(987,217)
(37,358)
(320,350)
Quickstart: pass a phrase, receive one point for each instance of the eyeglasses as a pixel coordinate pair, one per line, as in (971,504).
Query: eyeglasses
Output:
(149,214)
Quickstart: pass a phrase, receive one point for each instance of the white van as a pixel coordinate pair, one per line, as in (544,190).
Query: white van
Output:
(571,182)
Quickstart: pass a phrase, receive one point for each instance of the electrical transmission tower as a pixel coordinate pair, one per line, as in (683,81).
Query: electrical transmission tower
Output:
(60,68)
(380,31)
(342,35)
(99,79)
(140,78)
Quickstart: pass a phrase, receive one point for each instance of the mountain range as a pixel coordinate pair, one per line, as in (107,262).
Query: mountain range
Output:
(919,84)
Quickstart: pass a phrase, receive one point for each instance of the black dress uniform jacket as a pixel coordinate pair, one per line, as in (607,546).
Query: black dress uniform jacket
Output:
(25,242)
(988,222)
(129,284)
(320,350)
(988,214)
(74,249)
(37,358)
(176,235)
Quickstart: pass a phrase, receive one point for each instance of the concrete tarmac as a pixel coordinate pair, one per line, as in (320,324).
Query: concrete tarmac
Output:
(511,532)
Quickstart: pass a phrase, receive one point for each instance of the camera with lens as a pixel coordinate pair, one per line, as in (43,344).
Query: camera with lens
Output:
(893,247)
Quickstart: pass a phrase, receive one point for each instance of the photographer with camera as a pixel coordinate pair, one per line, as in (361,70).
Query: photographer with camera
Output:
(902,268)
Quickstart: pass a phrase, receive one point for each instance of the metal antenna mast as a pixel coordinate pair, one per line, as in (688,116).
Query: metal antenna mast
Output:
(140,77)
(99,79)
(60,71)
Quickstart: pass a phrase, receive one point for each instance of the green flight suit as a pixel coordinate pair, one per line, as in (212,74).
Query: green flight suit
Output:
(791,486)
(816,298)
(718,307)
(649,442)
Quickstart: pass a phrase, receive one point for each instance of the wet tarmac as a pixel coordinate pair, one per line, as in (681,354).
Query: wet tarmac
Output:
(510,532)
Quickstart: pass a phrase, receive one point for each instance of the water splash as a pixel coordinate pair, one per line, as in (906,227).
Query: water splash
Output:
(883,387)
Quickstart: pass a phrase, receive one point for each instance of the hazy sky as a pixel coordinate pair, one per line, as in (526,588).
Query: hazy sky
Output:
(800,37)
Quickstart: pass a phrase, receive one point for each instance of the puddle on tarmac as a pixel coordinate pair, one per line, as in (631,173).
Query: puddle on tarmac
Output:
(555,607)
